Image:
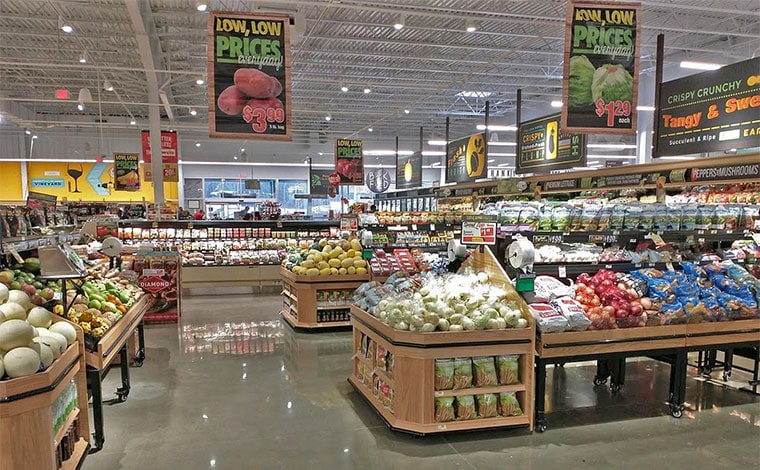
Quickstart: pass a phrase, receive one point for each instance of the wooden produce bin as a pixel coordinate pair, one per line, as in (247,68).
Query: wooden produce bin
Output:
(26,414)
(302,307)
(412,376)
(105,350)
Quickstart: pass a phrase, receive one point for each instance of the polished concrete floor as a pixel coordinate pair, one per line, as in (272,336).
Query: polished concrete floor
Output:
(232,387)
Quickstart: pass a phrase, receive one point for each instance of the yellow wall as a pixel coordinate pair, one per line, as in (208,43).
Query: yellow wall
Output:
(11,187)
(54,174)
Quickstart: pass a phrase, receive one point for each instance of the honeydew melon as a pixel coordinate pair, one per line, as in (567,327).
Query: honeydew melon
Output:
(66,329)
(12,310)
(3,295)
(15,333)
(19,297)
(50,343)
(20,362)
(40,317)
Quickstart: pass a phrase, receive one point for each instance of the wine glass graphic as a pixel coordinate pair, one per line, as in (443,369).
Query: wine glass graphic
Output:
(75,173)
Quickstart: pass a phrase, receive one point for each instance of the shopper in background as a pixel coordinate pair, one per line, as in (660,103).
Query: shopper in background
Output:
(257,215)
(199,215)
(248,216)
(180,210)
(372,208)
(241,213)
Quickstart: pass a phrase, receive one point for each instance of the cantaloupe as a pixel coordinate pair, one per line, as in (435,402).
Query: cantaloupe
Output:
(15,333)
(50,343)
(20,362)
(12,310)
(40,317)
(19,297)
(66,329)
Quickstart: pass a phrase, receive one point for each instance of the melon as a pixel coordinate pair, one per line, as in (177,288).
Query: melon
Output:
(324,272)
(66,329)
(20,362)
(15,333)
(46,354)
(359,263)
(361,270)
(347,263)
(40,317)
(50,343)
(56,341)
(3,294)
(2,368)
(19,297)
(12,310)
(351,270)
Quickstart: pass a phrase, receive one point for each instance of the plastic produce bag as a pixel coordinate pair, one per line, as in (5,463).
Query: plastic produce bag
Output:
(507,367)
(462,377)
(484,372)
(444,409)
(487,405)
(547,318)
(465,407)
(508,404)
(444,374)
(548,288)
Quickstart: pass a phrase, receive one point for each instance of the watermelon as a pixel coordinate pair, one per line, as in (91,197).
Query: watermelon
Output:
(32,265)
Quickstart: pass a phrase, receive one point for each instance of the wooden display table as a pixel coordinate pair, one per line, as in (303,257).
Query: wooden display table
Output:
(100,357)
(318,302)
(670,343)
(412,406)
(26,414)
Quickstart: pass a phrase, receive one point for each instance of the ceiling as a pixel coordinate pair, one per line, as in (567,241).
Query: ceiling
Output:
(518,44)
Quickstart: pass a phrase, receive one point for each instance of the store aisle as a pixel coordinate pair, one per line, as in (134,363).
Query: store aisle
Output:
(232,387)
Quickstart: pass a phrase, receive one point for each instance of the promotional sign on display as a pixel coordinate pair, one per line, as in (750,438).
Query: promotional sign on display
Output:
(409,171)
(249,76)
(378,181)
(349,161)
(169,155)
(466,160)
(601,68)
(710,111)
(319,182)
(479,229)
(544,146)
(126,172)
(349,223)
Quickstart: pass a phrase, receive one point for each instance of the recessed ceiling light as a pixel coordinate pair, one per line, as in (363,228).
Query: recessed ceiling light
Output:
(436,142)
(367,90)
(80,107)
(556,104)
(83,58)
(328,118)
(242,149)
(132,122)
(65,26)
(688,64)
(471,27)
(197,144)
(406,111)
(344,89)
(321,153)
(27,132)
(492,127)
(107,86)
(193,112)
(369,129)
(200,5)
(400,22)
(200,81)
(234,157)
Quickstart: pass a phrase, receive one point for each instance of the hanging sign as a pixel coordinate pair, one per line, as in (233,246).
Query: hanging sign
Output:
(728,172)
(601,68)
(378,181)
(169,155)
(544,146)
(349,161)
(319,182)
(710,111)
(466,160)
(126,171)
(479,230)
(249,76)
(409,171)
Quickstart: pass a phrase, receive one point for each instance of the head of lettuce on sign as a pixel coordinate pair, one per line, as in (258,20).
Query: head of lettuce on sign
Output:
(612,82)
(579,82)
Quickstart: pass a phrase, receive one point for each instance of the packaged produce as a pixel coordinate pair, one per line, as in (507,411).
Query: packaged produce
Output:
(560,218)
(507,367)
(689,217)
(633,216)
(509,218)
(444,409)
(548,320)
(444,374)
(508,404)
(487,405)
(484,372)
(464,407)
(547,288)
(647,218)
(590,217)
(545,219)
(704,217)
(573,313)
(617,217)
(462,377)
(528,219)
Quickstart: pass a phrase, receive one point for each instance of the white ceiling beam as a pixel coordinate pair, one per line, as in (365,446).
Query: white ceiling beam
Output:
(150,49)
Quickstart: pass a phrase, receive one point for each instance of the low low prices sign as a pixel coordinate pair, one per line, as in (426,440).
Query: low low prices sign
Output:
(710,111)
(126,171)
(349,161)
(249,76)
(601,68)
(169,155)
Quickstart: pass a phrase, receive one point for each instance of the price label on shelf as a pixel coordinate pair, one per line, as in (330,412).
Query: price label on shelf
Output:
(432,227)
(438,393)
(562,271)
(442,427)
(57,296)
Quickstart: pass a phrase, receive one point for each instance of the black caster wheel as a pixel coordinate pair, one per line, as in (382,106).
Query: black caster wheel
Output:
(137,363)
(541,427)
(599,381)
(726,376)
(676,412)
(614,388)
